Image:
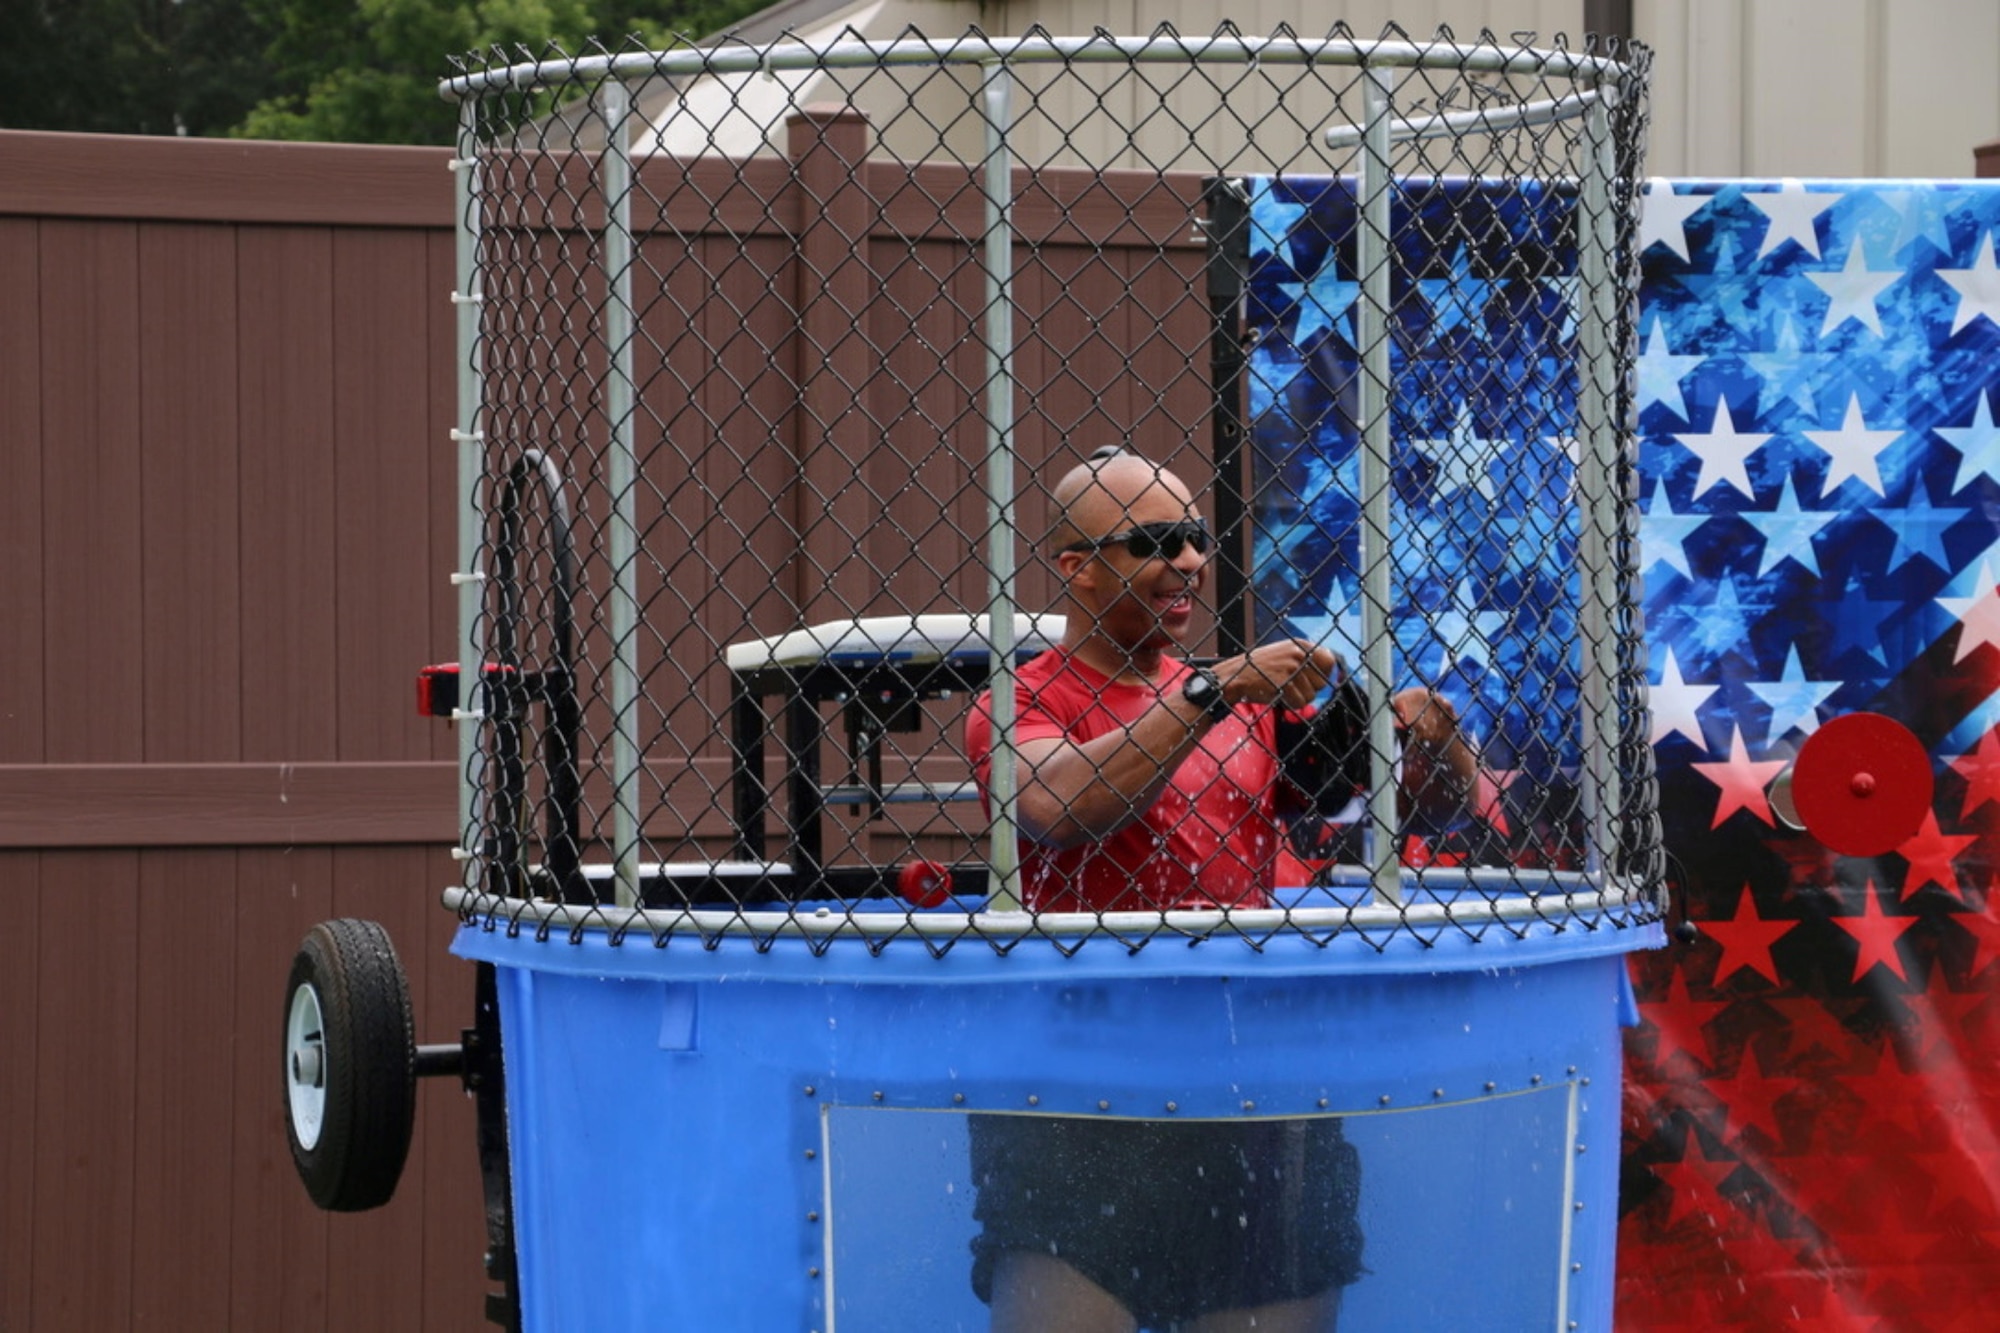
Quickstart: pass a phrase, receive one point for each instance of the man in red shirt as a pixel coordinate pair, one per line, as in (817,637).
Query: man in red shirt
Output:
(1144,783)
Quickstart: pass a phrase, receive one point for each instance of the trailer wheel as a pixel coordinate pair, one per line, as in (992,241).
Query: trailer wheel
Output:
(350,1065)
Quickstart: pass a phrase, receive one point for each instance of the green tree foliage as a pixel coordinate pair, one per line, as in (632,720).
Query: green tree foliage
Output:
(350,71)
(131,66)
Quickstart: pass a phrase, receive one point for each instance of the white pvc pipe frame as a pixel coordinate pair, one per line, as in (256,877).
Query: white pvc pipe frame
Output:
(1379,131)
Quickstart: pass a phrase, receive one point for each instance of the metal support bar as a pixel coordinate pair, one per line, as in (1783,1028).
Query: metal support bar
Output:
(623,474)
(466,182)
(1597,507)
(1373,256)
(484,1073)
(996,90)
(750,798)
(441,1060)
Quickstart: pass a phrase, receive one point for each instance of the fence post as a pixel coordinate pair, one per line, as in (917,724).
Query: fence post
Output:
(834,359)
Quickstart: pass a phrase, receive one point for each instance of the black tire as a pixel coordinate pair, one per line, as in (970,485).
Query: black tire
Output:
(350,1065)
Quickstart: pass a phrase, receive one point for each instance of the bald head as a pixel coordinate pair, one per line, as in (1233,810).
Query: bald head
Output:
(1099,497)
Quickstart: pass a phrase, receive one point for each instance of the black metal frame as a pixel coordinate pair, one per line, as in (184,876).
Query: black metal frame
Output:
(1227,229)
(875,697)
(511,692)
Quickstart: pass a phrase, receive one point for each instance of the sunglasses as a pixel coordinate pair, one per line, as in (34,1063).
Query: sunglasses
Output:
(1144,541)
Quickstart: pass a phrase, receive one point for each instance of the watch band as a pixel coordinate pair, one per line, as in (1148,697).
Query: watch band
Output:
(1203,688)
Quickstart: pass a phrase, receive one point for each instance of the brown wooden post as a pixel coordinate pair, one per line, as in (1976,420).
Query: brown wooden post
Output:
(834,359)
(1986,159)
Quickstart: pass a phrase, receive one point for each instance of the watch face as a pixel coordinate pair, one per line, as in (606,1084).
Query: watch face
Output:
(1204,690)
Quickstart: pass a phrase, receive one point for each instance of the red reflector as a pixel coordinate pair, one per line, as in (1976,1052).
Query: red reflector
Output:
(437,690)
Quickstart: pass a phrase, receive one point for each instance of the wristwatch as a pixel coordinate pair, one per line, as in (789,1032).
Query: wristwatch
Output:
(1202,689)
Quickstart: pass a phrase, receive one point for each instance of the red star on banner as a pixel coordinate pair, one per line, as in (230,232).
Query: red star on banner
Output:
(1696,1183)
(1748,1101)
(1818,1036)
(1930,852)
(1959,1184)
(1746,940)
(1877,934)
(1981,770)
(1942,1013)
(1742,781)
(1679,1020)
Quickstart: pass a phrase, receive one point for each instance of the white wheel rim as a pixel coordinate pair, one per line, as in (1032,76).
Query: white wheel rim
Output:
(305,1066)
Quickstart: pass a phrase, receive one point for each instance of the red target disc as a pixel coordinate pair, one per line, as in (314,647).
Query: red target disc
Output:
(1862,784)
(924,883)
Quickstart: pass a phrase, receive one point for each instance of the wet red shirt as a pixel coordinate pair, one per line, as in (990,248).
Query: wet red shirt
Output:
(1212,837)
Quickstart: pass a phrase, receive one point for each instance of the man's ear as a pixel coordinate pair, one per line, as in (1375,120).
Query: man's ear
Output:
(1076,567)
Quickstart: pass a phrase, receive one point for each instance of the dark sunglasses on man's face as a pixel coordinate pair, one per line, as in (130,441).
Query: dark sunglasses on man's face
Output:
(1144,541)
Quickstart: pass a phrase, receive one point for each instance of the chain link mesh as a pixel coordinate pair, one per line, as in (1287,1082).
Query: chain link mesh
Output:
(783,354)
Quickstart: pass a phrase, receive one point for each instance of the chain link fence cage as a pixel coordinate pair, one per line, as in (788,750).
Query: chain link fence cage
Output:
(776,359)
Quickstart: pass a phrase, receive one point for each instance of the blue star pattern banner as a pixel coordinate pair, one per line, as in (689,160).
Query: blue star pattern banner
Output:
(1820,477)
(1483,405)
(1814,1105)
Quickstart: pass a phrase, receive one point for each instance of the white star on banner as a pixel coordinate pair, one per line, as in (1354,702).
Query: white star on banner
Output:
(1978,287)
(1464,629)
(1793,700)
(1920,217)
(1788,531)
(1269,381)
(1673,703)
(1728,292)
(1978,616)
(1663,216)
(1792,211)
(1663,533)
(1322,301)
(1271,223)
(1978,445)
(1723,452)
(1853,452)
(1852,292)
(1786,370)
(1661,373)
(1919,527)
(1464,461)
(1458,300)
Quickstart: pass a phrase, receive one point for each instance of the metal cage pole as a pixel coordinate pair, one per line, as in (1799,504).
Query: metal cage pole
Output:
(470,581)
(996,91)
(622,473)
(1372,257)
(1596,463)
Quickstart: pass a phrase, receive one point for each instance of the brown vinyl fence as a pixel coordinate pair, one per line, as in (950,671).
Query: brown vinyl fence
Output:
(225,387)
(227,518)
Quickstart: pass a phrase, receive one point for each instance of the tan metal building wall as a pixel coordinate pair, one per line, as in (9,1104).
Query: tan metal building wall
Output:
(1831,88)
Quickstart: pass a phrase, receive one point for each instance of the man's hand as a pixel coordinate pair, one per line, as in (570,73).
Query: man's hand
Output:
(1440,772)
(1290,672)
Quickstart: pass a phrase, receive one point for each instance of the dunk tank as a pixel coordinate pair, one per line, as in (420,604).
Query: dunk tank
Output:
(771,358)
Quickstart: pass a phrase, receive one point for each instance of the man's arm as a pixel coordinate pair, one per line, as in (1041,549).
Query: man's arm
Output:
(1078,791)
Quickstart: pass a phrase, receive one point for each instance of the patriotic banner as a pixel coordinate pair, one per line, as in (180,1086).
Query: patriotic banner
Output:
(1813,1093)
